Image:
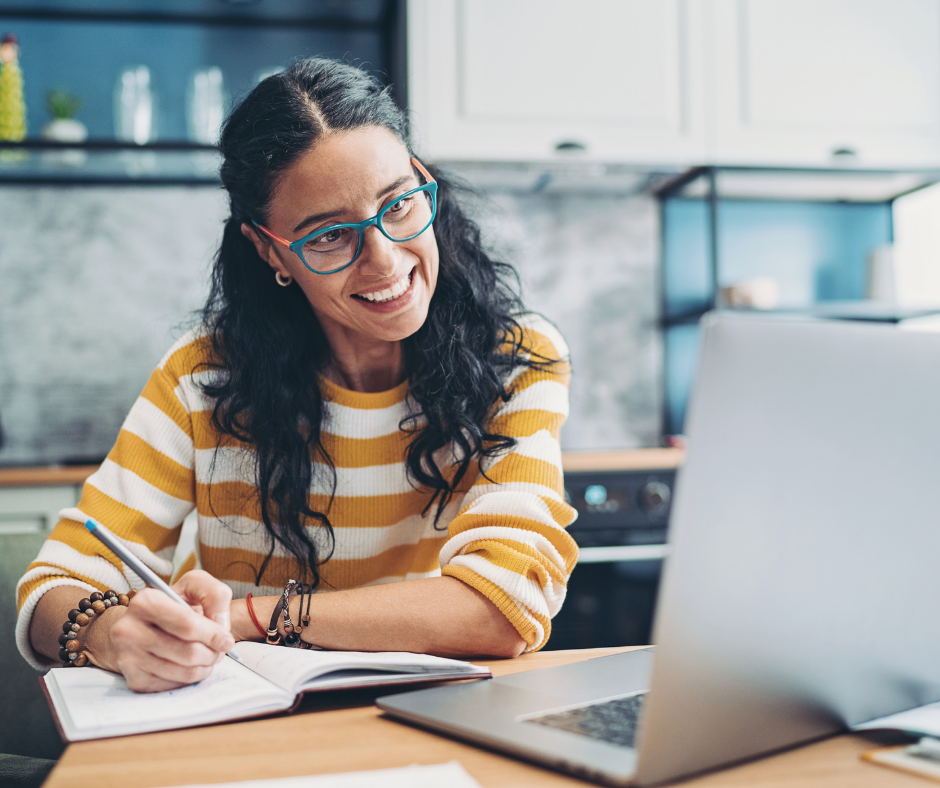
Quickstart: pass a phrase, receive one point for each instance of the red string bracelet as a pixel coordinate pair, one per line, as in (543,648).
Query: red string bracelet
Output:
(254,618)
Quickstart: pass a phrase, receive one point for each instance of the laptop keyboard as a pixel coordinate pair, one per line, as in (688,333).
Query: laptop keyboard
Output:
(613,721)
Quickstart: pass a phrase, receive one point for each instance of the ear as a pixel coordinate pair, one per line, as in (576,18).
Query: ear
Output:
(264,248)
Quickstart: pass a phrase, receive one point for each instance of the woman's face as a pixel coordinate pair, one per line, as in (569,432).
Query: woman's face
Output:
(348,177)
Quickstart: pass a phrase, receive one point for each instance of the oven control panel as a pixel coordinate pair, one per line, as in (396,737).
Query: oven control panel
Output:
(620,507)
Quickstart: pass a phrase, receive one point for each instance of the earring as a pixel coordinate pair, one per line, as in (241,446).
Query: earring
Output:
(283,281)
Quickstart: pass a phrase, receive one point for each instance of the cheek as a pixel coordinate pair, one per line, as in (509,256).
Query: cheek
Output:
(431,257)
(321,291)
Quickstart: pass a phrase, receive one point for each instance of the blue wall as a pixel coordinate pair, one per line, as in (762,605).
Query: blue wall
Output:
(85,59)
(817,252)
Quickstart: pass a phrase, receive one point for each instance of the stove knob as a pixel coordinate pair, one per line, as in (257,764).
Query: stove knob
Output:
(654,497)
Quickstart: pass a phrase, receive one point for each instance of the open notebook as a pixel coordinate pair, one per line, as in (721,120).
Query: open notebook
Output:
(90,703)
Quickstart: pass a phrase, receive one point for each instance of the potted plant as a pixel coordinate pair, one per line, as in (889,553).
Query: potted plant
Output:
(64,127)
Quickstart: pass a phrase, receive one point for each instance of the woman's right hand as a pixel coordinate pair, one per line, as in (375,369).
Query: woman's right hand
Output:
(157,643)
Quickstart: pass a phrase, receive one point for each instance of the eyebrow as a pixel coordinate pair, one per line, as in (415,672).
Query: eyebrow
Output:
(319,217)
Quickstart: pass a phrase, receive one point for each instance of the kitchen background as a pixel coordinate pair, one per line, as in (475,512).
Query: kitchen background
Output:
(639,161)
(98,281)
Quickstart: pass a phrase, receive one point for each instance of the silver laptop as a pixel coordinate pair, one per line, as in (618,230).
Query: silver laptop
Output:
(801,593)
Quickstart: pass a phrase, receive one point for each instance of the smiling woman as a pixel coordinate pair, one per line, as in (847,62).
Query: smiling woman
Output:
(364,402)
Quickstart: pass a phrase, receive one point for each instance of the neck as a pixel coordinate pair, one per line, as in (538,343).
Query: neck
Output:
(379,367)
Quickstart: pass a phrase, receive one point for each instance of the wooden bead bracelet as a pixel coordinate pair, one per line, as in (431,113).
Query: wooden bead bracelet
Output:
(70,651)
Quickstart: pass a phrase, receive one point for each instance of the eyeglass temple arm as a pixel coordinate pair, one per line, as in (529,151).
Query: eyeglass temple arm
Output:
(272,236)
(420,168)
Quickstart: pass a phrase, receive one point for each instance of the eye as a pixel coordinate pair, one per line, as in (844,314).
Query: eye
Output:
(329,237)
(401,206)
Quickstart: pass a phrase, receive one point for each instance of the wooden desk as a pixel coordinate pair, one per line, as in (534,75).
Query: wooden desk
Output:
(343,732)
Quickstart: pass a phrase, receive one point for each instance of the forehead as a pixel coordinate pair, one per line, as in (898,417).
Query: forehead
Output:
(342,169)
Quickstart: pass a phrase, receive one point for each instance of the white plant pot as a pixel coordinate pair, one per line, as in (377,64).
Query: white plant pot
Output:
(65,131)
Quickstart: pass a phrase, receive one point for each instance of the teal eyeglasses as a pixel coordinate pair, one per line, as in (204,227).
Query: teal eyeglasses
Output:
(333,248)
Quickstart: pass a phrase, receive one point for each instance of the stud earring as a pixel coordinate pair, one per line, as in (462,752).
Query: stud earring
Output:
(283,281)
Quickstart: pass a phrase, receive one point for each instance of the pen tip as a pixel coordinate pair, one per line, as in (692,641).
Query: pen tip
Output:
(90,525)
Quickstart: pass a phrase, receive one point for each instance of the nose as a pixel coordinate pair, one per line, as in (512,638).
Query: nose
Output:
(379,255)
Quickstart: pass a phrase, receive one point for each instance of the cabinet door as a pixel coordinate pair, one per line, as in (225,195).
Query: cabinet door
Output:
(821,81)
(613,80)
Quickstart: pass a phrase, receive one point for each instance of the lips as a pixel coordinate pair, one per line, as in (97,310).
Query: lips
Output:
(390,293)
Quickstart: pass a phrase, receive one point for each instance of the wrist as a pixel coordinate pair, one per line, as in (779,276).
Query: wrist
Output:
(243,628)
(96,639)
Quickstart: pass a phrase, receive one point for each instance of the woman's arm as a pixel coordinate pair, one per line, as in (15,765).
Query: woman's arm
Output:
(509,540)
(436,615)
(155,642)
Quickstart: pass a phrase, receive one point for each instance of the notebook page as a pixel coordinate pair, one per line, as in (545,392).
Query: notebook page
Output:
(94,703)
(293,669)
(924,721)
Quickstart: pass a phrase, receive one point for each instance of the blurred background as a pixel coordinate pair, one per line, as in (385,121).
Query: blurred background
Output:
(639,161)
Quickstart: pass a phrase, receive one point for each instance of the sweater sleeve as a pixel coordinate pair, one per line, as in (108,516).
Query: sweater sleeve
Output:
(508,540)
(143,491)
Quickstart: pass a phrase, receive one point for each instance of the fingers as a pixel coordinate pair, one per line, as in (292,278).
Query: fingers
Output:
(169,649)
(160,644)
(182,623)
(215,598)
(149,673)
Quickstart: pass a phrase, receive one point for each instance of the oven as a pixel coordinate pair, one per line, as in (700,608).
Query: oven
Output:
(623,514)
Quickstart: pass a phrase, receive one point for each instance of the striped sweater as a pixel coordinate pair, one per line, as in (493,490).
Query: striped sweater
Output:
(503,534)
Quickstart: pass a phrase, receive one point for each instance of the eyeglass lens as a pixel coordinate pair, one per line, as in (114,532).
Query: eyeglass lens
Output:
(335,247)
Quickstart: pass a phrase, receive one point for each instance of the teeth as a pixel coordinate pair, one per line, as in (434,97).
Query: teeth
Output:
(390,293)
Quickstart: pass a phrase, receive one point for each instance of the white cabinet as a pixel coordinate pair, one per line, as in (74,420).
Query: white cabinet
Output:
(819,81)
(675,82)
(34,509)
(542,79)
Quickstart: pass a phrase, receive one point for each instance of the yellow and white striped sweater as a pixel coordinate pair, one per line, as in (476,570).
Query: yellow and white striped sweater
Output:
(504,535)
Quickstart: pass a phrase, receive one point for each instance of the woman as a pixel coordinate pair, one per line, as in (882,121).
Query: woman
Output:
(365,402)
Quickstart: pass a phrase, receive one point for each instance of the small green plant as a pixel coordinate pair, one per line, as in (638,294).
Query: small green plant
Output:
(62,105)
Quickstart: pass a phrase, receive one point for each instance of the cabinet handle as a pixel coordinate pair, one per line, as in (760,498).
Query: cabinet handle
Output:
(843,153)
(570,146)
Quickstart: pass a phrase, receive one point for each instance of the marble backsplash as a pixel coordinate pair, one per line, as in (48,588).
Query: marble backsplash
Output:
(589,263)
(96,283)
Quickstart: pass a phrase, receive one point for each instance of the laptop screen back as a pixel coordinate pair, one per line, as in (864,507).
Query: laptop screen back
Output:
(803,592)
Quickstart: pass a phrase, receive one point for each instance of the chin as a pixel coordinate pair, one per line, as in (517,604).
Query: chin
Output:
(406,327)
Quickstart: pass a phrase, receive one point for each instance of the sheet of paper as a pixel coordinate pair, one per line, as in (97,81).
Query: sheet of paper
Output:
(442,775)
(290,667)
(101,701)
(924,720)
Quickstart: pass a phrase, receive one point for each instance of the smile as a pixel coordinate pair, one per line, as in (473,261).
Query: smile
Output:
(389,293)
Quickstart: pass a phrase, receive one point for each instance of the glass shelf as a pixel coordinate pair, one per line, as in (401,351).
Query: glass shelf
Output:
(813,235)
(866,311)
(107,162)
(846,184)
(83,47)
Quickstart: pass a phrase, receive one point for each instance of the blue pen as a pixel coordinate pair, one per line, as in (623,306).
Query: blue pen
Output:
(146,574)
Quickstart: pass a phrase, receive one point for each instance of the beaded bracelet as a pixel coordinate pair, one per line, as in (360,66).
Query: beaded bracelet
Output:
(70,651)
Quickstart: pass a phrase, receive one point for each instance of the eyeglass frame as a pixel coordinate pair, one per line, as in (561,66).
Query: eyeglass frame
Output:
(376,221)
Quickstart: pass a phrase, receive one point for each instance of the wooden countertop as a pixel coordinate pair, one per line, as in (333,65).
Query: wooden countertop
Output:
(46,475)
(344,731)
(573,461)
(631,460)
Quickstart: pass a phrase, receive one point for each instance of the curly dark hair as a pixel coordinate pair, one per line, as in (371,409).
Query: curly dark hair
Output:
(268,346)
